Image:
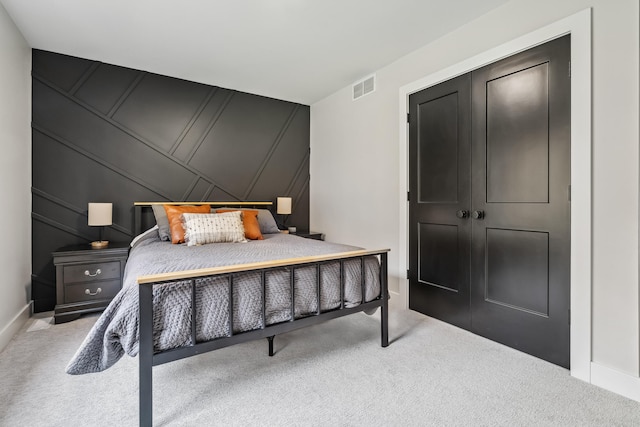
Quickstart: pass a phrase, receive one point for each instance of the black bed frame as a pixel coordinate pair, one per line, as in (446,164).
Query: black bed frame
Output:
(148,358)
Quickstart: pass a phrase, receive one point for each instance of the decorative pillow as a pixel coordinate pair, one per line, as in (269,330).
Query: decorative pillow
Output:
(162,222)
(200,229)
(250,222)
(175,224)
(265,219)
(267,222)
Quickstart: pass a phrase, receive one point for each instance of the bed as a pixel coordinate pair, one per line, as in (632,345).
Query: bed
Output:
(181,300)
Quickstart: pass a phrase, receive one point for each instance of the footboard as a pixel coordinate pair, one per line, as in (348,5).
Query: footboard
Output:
(149,358)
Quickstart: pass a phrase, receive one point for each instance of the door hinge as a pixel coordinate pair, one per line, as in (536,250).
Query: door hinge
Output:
(408,119)
(569,319)
(408,196)
(569,192)
(569,69)
(407,274)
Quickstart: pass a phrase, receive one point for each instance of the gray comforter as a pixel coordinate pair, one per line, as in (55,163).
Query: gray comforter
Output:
(116,331)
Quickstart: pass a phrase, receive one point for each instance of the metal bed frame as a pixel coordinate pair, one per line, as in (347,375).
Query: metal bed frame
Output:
(148,358)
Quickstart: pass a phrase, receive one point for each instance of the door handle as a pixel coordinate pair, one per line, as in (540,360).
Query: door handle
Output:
(462,213)
(477,214)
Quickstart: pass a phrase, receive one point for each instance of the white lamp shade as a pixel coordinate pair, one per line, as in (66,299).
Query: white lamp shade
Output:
(100,213)
(284,206)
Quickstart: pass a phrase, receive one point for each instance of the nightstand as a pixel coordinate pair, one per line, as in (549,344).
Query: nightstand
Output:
(87,279)
(309,235)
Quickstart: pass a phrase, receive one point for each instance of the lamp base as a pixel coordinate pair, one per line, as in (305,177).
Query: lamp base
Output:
(99,244)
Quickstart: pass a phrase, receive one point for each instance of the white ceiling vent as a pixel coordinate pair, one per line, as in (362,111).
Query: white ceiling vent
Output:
(364,87)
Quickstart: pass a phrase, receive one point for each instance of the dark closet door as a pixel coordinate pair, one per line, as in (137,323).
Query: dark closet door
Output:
(520,201)
(440,228)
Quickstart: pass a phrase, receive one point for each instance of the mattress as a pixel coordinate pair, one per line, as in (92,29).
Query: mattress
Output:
(115,333)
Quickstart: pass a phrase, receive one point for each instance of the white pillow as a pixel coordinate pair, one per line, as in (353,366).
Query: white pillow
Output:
(200,229)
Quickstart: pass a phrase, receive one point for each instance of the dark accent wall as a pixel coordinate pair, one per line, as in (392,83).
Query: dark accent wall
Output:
(103,133)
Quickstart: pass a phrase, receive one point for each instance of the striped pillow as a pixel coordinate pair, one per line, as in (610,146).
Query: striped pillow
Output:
(200,229)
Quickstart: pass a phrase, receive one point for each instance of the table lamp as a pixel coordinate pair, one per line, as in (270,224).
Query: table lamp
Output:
(284,208)
(99,216)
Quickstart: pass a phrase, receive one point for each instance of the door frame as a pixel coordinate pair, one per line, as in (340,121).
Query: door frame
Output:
(579,26)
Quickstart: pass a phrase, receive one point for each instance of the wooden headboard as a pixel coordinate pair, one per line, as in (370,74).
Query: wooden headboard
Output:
(143,218)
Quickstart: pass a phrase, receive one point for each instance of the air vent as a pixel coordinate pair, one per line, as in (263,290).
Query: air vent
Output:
(364,87)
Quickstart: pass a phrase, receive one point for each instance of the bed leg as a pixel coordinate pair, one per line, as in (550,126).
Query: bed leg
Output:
(270,339)
(145,356)
(384,308)
(384,325)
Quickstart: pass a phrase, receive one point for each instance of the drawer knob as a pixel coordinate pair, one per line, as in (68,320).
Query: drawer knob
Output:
(88,292)
(88,273)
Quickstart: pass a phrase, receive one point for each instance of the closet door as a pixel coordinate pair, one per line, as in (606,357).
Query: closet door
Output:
(520,247)
(440,228)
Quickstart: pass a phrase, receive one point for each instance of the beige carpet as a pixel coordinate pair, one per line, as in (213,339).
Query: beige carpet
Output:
(334,374)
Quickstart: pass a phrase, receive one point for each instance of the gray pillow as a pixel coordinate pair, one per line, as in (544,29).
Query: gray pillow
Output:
(265,220)
(163,222)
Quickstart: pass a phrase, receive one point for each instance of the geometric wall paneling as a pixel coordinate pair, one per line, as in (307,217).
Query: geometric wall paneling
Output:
(113,145)
(201,189)
(61,70)
(104,133)
(234,136)
(285,150)
(202,123)
(43,272)
(78,174)
(158,109)
(105,86)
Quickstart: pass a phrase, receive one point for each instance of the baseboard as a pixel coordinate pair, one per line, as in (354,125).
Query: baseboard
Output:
(615,381)
(394,300)
(402,295)
(14,326)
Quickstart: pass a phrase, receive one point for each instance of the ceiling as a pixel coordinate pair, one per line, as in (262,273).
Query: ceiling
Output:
(296,50)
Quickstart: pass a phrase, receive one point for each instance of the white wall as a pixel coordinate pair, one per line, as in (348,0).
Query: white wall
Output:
(355,177)
(15,178)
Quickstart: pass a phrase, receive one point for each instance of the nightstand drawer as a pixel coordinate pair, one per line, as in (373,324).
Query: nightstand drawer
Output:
(87,279)
(79,292)
(91,272)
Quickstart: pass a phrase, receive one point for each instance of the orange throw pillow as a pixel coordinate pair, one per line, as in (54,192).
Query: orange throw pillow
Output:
(175,224)
(250,223)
